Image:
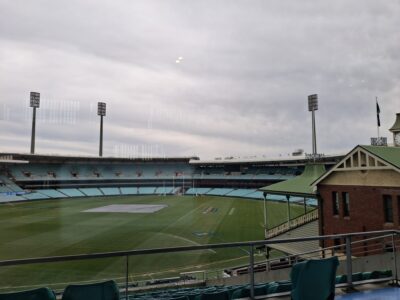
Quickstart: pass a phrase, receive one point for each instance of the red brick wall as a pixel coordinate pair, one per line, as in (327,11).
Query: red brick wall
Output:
(366,209)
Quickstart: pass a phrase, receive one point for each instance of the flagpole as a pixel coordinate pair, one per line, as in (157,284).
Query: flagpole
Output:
(377,112)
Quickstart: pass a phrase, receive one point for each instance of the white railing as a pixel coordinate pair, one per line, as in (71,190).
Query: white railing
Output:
(294,223)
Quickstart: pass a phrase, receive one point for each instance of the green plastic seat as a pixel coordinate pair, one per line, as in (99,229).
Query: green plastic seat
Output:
(341,279)
(259,290)
(222,295)
(237,293)
(276,287)
(36,294)
(107,290)
(314,279)
(385,273)
(357,277)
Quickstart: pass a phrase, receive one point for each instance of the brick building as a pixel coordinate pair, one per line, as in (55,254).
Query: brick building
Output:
(361,193)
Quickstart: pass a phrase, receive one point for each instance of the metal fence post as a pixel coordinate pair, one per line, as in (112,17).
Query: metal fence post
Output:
(396,280)
(251,272)
(126,277)
(349,265)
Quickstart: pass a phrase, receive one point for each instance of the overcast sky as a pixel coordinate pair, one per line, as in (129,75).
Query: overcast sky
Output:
(208,78)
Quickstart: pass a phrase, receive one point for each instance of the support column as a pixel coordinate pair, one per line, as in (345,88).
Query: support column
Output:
(33,131)
(288,208)
(265,216)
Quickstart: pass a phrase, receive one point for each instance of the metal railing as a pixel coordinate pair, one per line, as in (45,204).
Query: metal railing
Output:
(294,223)
(251,245)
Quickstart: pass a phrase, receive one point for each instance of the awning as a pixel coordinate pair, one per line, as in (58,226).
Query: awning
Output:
(299,186)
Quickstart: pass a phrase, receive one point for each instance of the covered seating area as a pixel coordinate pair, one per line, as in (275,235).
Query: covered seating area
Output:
(299,187)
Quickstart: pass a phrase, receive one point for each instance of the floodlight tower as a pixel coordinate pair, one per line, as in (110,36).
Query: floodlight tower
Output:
(34,103)
(101,111)
(313,106)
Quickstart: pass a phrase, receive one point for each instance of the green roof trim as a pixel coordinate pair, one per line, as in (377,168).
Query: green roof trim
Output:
(300,185)
(390,155)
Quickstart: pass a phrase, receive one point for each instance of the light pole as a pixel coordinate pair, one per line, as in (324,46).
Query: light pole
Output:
(313,106)
(101,111)
(34,103)
(265,217)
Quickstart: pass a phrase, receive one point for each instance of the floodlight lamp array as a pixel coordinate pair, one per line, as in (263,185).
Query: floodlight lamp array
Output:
(35,99)
(313,102)
(101,109)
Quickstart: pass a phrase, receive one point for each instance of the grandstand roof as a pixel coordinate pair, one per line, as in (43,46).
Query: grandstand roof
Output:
(278,161)
(9,159)
(300,185)
(38,158)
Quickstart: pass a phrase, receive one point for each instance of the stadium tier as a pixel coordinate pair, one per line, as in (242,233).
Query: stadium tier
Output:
(35,196)
(240,192)
(51,193)
(129,190)
(110,191)
(146,190)
(197,191)
(72,192)
(74,172)
(91,191)
(44,177)
(219,191)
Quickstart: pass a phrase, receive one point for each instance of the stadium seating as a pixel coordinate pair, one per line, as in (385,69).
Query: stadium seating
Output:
(314,279)
(261,290)
(129,190)
(219,191)
(72,192)
(10,198)
(146,190)
(165,190)
(197,191)
(256,195)
(91,191)
(36,294)
(110,191)
(52,193)
(35,196)
(306,283)
(107,290)
(240,192)
(6,185)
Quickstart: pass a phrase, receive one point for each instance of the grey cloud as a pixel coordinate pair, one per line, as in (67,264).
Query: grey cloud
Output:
(241,87)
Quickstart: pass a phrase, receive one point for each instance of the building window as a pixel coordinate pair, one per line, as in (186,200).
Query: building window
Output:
(346,204)
(398,207)
(335,203)
(388,208)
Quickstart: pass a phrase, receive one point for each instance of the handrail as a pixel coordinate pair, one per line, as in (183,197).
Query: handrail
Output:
(308,253)
(25,261)
(293,223)
(250,244)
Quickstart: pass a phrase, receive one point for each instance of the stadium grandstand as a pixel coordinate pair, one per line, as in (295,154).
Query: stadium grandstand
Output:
(222,268)
(31,177)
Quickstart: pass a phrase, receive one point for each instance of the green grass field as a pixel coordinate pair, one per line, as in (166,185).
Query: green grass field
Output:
(60,227)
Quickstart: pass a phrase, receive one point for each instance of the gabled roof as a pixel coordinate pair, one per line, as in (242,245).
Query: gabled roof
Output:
(391,155)
(300,185)
(366,158)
